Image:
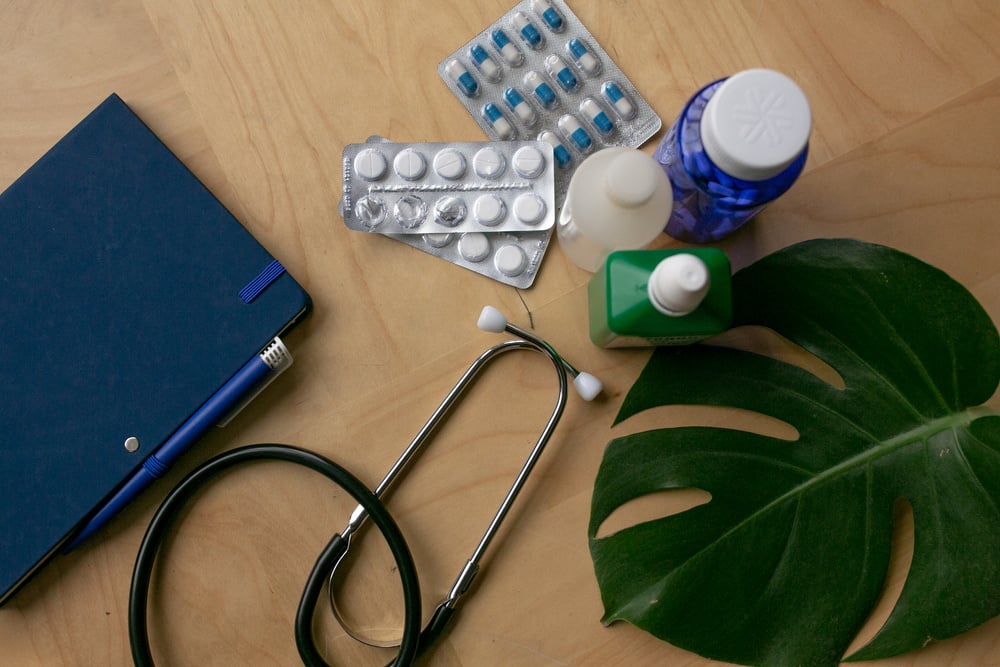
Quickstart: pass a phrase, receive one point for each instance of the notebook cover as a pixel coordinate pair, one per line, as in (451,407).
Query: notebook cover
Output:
(120,314)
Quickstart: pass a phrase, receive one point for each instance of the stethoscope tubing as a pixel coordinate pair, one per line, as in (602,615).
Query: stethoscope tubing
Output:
(370,505)
(168,513)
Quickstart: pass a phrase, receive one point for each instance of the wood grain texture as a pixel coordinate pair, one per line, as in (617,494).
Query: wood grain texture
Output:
(260,98)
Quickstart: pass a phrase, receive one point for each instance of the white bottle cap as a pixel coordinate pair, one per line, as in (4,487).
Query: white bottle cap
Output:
(629,182)
(678,284)
(619,198)
(756,124)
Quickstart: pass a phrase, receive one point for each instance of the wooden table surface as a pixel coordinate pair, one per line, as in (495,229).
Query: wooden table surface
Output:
(259,99)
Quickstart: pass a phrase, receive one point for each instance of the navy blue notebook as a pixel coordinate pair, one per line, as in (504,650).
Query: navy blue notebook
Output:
(122,309)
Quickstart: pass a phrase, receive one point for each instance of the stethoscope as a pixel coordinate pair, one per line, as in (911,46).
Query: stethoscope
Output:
(415,638)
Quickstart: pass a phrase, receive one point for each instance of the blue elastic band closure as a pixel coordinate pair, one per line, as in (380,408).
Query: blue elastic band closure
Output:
(253,289)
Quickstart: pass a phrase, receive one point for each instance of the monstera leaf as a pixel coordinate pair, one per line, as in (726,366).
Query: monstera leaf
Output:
(786,561)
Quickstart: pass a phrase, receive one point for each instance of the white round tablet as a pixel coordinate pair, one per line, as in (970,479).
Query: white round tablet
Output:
(409,164)
(488,163)
(370,164)
(510,260)
(489,210)
(449,164)
(529,208)
(529,162)
(474,246)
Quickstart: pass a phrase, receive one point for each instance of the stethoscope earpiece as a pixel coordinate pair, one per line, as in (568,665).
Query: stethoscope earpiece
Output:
(492,320)
(587,386)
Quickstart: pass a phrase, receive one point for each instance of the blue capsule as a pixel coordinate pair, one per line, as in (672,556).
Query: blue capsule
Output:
(465,81)
(593,112)
(541,89)
(560,153)
(619,100)
(571,127)
(506,48)
(485,63)
(529,33)
(498,121)
(549,14)
(561,72)
(583,57)
(520,106)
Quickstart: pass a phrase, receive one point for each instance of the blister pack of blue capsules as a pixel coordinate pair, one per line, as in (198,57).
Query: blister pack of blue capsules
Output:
(488,207)
(537,72)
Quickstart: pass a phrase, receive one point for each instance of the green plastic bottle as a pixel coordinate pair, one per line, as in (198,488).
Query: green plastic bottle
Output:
(644,298)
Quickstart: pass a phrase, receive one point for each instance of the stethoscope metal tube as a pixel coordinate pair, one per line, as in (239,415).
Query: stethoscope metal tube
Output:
(587,385)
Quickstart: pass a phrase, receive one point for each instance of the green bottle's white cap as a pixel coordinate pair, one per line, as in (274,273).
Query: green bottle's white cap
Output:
(756,124)
(678,284)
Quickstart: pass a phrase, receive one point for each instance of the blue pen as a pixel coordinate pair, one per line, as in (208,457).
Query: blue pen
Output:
(230,398)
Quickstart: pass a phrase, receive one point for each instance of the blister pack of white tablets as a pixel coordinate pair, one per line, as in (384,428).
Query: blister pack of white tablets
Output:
(537,72)
(477,212)
(510,258)
(447,188)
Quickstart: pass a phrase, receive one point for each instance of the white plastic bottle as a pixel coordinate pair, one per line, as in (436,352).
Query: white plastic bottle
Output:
(618,199)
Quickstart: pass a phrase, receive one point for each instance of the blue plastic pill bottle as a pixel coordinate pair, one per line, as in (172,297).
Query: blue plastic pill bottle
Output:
(739,143)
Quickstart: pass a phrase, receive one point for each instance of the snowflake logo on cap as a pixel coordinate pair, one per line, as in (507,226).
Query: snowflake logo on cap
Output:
(762,115)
